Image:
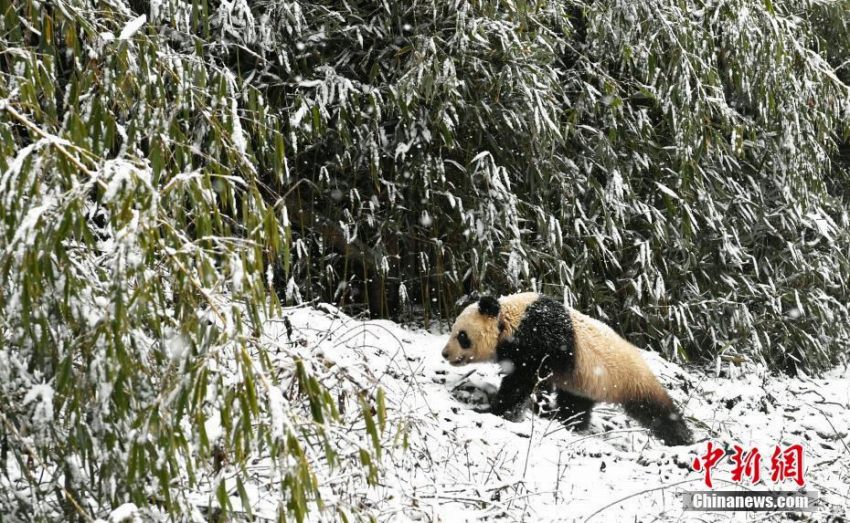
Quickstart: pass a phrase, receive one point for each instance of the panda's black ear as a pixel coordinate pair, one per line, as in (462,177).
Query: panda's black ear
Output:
(488,306)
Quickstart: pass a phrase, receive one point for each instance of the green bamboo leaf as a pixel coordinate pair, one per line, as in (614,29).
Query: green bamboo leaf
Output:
(382,409)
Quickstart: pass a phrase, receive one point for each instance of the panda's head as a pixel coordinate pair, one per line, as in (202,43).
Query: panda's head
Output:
(475,333)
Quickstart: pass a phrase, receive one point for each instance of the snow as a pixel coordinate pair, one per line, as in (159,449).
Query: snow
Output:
(43,409)
(237,273)
(125,512)
(461,465)
(176,345)
(213,427)
(121,174)
(238,135)
(132,27)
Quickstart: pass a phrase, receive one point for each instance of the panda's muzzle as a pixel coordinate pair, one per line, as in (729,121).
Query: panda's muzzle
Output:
(457,361)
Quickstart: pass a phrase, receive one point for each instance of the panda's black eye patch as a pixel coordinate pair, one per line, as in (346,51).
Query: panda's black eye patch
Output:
(464,340)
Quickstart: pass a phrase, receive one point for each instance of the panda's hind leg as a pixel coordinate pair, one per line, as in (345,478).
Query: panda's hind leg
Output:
(662,418)
(573,410)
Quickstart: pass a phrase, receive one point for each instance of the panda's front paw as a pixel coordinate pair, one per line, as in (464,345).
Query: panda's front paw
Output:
(496,408)
(514,414)
(489,409)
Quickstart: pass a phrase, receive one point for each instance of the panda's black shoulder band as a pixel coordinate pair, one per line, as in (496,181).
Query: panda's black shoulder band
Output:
(488,306)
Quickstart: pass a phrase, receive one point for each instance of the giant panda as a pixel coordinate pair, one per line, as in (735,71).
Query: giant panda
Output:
(538,340)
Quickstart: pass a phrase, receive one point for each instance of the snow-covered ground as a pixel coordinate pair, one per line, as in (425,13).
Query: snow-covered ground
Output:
(460,465)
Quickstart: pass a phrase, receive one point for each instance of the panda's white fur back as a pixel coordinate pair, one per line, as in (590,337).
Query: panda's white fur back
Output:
(606,366)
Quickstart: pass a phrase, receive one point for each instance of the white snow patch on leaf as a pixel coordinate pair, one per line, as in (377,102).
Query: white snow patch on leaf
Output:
(666,190)
(124,513)
(43,413)
(132,27)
